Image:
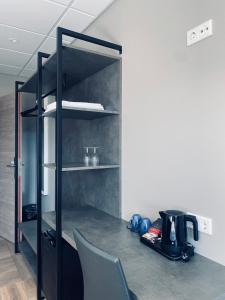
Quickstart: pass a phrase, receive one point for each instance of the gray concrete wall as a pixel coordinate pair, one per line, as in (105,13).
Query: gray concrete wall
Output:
(173,110)
(7,84)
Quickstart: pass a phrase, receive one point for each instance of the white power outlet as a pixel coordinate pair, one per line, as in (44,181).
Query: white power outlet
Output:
(200,32)
(204,224)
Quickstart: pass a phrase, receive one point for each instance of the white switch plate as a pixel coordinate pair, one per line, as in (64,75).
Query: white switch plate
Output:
(200,32)
(204,224)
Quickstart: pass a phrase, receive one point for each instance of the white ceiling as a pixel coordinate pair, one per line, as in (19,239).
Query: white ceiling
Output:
(29,26)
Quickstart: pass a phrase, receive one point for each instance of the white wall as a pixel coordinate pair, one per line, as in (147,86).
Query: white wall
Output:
(173,110)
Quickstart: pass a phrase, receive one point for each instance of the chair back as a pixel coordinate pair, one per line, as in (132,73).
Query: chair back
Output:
(102,273)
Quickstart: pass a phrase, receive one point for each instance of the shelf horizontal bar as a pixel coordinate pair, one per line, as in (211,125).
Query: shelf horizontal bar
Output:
(90,39)
(82,114)
(80,167)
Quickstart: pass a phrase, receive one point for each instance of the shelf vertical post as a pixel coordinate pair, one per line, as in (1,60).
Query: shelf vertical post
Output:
(39,172)
(17,84)
(58,172)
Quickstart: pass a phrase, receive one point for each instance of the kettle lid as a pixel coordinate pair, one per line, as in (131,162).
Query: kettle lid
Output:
(174,213)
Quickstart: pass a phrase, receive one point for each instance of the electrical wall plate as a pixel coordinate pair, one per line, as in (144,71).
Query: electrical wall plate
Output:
(204,224)
(200,32)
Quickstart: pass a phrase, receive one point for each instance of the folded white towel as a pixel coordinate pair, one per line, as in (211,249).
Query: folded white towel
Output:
(71,105)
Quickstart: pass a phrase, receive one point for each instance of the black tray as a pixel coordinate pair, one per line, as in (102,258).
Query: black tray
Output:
(185,256)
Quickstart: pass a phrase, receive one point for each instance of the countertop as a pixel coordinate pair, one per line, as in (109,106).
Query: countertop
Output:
(149,275)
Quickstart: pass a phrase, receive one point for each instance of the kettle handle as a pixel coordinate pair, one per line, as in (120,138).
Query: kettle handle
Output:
(193,220)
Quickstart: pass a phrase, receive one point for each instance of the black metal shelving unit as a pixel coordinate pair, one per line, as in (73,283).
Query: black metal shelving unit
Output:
(17,85)
(53,77)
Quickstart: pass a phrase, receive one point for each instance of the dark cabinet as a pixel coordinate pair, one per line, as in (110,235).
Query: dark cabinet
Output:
(72,279)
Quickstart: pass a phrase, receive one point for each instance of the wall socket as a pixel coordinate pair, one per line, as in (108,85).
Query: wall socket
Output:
(200,32)
(204,224)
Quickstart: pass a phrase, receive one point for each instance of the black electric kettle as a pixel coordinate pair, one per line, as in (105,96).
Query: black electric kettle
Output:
(174,231)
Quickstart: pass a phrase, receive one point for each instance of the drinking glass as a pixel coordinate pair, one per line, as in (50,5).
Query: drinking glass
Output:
(86,158)
(95,157)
